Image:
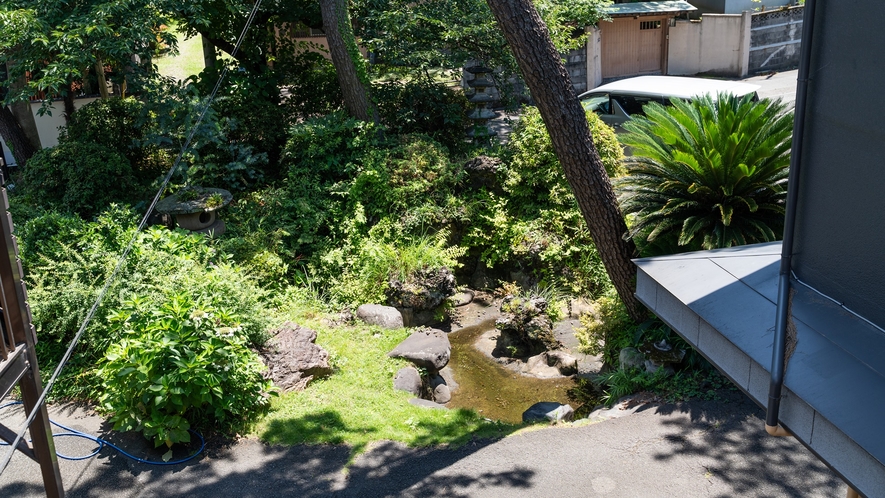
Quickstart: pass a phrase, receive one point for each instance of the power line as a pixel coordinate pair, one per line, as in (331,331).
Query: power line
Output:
(122,260)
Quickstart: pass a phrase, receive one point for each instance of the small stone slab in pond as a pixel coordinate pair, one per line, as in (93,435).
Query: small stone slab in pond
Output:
(408,379)
(462,298)
(427,348)
(548,410)
(426,403)
(566,363)
(441,392)
(384,316)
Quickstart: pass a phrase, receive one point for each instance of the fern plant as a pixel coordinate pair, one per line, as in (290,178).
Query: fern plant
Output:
(706,174)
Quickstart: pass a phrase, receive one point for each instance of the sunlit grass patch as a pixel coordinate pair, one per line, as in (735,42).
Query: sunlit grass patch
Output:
(357,404)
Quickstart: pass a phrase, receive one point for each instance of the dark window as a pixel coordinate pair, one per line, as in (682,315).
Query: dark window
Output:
(632,104)
(650,25)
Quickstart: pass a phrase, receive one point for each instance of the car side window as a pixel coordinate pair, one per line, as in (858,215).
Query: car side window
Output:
(598,103)
(633,104)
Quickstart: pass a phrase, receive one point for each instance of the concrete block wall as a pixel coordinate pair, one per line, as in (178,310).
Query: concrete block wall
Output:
(775,39)
(576,65)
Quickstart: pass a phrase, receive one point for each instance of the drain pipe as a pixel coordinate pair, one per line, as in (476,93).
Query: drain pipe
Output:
(783,312)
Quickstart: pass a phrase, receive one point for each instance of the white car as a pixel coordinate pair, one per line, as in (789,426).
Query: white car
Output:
(615,102)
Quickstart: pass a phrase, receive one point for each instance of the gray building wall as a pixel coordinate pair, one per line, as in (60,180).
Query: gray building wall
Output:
(840,238)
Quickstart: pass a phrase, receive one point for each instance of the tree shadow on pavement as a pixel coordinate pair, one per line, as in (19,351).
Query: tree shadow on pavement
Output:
(728,438)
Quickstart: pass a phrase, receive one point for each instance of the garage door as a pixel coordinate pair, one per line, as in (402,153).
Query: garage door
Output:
(632,46)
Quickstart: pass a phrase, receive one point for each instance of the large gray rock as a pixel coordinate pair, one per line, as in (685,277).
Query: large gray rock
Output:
(538,366)
(408,379)
(292,358)
(426,348)
(525,328)
(548,410)
(384,316)
(423,290)
(552,364)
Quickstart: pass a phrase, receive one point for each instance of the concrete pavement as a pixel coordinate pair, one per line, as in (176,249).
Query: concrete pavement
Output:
(696,449)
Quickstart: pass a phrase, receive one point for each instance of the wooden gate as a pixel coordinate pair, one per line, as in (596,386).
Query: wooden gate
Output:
(632,47)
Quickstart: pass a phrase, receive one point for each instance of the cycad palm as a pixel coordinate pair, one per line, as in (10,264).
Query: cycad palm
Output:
(707,174)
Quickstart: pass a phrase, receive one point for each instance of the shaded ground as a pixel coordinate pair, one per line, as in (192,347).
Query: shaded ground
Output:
(697,449)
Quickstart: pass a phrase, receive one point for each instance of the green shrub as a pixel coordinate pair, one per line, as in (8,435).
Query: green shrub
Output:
(706,174)
(533,225)
(179,365)
(425,107)
(312,84)
(360,273)
(67,261)
(122,125)
(606,328)
(82,178)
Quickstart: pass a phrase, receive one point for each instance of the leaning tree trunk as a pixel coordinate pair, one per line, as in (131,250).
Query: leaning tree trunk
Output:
(15,137)
(543,71)
(344,52)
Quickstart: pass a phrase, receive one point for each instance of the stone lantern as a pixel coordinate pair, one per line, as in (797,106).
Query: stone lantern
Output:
(195,208)
(480,99)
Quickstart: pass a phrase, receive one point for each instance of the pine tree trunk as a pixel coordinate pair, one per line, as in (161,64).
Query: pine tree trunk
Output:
(343,49)
(543,71)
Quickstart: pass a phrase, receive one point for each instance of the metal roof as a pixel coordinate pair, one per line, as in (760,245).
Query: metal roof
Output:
(723,303)
(648,8)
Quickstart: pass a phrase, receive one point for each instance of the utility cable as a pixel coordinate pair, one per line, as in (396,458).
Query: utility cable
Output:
(102,443)
(125,253)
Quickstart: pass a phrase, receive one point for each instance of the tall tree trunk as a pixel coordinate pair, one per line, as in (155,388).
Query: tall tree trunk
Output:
(208,52)
(24,115)
(69,103)
(344,51)
(99,76)
(543,71)
(15,137)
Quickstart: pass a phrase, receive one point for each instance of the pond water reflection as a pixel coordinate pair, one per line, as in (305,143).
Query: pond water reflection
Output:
(491,389)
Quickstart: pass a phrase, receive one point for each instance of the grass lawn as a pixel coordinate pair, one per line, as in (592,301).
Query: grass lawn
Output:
(188,62)
(357,403)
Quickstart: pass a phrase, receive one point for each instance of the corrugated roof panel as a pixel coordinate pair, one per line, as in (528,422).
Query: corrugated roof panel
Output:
(648,8)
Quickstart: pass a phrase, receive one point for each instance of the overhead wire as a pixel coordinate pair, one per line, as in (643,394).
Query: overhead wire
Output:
(129,246)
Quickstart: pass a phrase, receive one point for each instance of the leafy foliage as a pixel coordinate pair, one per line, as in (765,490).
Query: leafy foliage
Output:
(534,223)
(362,274)
(180,365)
(422,106)
(606,328)
(122,125)
(82,178)
(707,174)
(67,261)
(54,41)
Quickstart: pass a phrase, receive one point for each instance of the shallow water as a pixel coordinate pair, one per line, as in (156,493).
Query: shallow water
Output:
(491,389)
